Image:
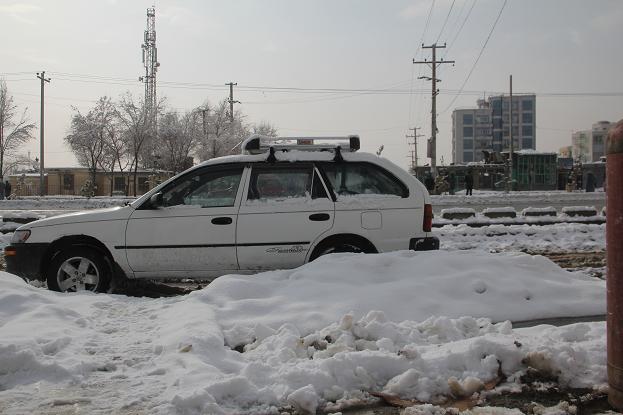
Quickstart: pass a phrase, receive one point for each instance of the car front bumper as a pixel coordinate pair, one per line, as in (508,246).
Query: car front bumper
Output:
(25,259)
(429,243)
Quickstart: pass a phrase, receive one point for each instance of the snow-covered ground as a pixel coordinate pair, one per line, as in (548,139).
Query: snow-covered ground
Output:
(479,198)
(499,197)
(425,326)
(319,337)
(62,202)
(558,237)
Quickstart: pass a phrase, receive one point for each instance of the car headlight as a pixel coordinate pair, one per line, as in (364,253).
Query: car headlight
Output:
(20,236)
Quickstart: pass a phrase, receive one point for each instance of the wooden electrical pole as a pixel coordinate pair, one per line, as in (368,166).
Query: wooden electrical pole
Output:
(231,100)
(413,152)
(432,148)
(43,79)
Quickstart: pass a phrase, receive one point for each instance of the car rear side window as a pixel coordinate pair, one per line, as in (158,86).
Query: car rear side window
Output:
(362,179)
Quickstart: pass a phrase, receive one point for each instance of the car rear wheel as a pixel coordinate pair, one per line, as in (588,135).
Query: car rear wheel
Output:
(342,247)
(343,243)
(78,269)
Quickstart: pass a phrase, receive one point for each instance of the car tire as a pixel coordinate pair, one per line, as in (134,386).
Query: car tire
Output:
(339,246)
(78,268)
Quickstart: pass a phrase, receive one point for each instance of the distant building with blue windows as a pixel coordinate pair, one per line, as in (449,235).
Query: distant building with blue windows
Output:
(487,127)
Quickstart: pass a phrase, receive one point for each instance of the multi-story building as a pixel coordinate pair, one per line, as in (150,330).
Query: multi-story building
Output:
(487,127)
(471,133)
(589,145)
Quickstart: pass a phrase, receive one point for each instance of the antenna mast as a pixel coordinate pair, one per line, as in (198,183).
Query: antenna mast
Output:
(150,59)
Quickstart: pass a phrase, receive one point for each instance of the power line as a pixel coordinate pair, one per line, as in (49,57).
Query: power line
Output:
(477,58)
(443,27)
(420,44)
(17,73)
(469,12)
(327,93)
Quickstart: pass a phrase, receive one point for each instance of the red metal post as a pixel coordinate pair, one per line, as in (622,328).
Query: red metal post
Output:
(614,274)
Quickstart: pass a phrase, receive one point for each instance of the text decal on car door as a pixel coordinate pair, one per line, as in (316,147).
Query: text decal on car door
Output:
(296,249)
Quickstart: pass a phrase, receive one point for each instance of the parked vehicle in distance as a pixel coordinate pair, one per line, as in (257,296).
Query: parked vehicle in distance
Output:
(283,202)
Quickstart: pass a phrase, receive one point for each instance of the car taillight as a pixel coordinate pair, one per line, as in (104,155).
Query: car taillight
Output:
(428,218)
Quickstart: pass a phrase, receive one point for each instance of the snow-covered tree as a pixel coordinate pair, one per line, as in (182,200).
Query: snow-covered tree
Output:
(15,130)
(138,121)
(178,137)
(115,157)
(222,135)
(88,133)
(264,128)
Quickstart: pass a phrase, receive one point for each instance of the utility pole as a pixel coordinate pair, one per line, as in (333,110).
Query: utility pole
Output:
(415,136)
(43,79)
(204,113)
(509,183)
(434,63)
(231,100)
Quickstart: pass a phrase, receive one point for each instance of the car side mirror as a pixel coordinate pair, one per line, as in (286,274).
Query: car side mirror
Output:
(156,200)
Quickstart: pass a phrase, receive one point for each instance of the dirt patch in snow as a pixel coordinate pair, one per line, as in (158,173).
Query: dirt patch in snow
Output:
(535,398)
(591,259)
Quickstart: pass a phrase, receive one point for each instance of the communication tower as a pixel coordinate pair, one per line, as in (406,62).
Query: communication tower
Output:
(150,59)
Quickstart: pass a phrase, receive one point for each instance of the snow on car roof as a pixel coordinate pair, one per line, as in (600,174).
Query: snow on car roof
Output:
(292,155)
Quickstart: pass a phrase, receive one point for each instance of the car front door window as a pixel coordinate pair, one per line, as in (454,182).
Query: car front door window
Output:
(204,189)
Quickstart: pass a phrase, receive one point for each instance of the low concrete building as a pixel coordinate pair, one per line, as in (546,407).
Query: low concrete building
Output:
(534,170)
(71,180)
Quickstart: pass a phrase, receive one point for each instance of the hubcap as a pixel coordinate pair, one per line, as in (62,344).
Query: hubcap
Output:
(77,274)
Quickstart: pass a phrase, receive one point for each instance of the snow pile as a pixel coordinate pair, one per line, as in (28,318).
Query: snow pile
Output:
(505,209)
(64,202)
(20,214)
(305,339)
(406,285)
(535,211)
(458,210)
(585,211)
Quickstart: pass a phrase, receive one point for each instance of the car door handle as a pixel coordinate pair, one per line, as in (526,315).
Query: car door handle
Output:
(318,217)
(225,220)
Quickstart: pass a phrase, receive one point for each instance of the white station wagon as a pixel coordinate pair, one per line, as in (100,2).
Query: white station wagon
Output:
(283,202)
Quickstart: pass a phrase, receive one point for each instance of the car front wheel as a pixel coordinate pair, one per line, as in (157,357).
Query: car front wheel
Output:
(78,269)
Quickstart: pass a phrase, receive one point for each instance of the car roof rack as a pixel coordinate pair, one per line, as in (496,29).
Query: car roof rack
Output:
(258,144)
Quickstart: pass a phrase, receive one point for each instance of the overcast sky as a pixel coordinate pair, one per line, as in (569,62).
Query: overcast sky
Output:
(550,47)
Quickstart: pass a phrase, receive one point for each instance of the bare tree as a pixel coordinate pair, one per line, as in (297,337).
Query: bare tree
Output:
(88,133)
(15,130)
(139,123)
